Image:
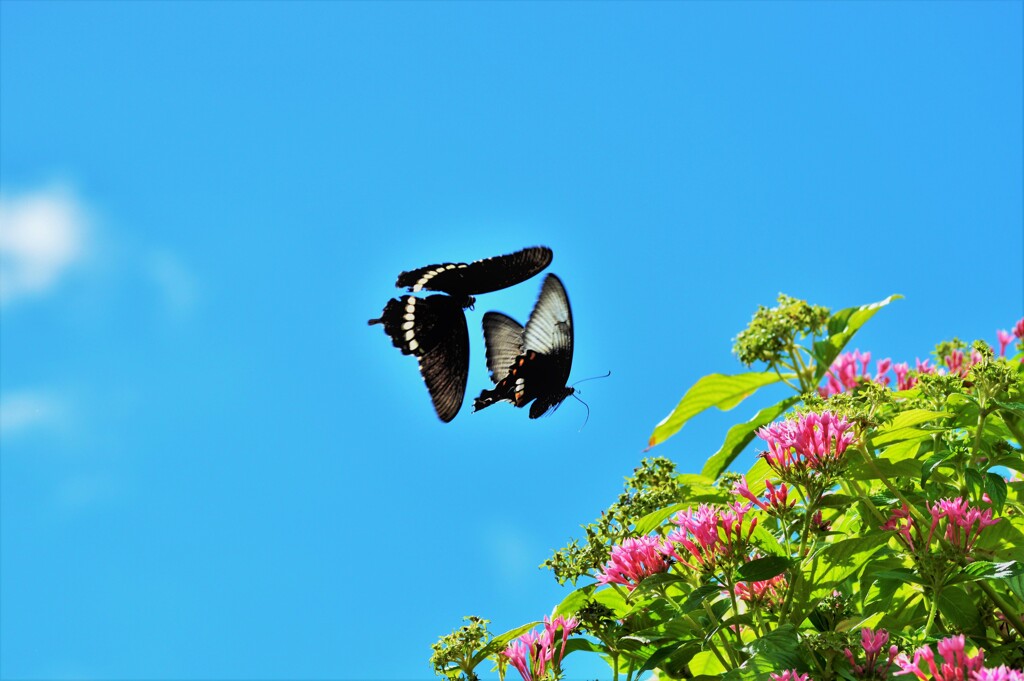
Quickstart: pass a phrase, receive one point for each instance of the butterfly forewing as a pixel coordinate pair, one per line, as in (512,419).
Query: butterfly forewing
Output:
(482,276)
(549,330)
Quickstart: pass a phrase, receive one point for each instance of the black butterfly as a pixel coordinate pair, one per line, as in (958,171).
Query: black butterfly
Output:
(531,363)
(434,328)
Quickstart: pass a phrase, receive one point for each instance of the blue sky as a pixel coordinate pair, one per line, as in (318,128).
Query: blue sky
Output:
(212,468)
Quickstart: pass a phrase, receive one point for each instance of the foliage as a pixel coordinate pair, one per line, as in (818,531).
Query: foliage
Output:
(876,535)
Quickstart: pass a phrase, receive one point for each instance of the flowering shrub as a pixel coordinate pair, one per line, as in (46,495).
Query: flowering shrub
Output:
(880,521)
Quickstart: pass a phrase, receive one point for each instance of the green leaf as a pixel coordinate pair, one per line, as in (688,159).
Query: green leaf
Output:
(988,571)
(883,469)
(959,608)
(1016,584)
(903,426)
(716,390)
(1015,408)
(705,662)
(904,575)
(698,596)
(572,603)
(760,569)
(740,435)
(780,646)
(677,653)
(974,481)
(654,519)
(996,488)
(841,328)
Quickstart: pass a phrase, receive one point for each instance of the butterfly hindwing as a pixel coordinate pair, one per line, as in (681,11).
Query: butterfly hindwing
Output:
(482,276)
(434,330)
(503,337)
(445,367)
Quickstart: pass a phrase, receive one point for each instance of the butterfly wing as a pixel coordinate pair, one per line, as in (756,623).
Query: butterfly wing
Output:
(434,330)
(482,276)
(549,333)
(503,337)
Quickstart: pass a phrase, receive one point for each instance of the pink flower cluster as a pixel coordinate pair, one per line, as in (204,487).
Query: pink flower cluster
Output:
(955,665)
(850,368)
(812,442)
(843,376)
(904,381)
(777,498)
(962,524)
(873,668)
(770,591)
(1000,673)
(635,559)
(710,536)
(536,654)
(1005,338)
(791,675)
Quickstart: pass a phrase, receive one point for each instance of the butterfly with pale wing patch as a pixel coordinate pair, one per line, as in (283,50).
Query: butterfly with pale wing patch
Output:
(532,363)
(433,329)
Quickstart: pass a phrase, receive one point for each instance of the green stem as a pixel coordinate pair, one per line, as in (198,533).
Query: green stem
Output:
(714,649)
(783,379)
(931,612)
(733,659)
(1008,611)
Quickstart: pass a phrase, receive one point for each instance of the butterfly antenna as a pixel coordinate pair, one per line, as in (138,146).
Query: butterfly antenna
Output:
(591,378)
(588,412)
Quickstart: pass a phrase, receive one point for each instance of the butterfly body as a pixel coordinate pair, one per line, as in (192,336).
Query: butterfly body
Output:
(433,328)
(531,364)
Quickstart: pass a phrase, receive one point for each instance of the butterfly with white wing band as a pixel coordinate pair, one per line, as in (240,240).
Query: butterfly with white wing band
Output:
(433,329)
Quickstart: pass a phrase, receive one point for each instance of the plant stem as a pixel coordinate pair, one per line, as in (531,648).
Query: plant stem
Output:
(1011,615)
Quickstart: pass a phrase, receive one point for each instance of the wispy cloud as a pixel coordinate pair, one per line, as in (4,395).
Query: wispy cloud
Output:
(42,235)
(23,411)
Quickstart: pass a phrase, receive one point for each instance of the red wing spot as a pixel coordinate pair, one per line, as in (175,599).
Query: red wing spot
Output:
(533,355)
(521,360)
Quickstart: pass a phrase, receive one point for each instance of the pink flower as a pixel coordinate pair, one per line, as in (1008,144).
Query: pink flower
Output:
(842,374)
(777,497)
(901,522)
(812,443)
(924,367)
(961,524)
(872,643)
(964,523)
(1000,673)
(635,559)
(708,536)
(956,664)
(1004,340)
(955,361)
(903,381)
(1018,329)
(818,524)
(791,675)
(535,654)
(770,591)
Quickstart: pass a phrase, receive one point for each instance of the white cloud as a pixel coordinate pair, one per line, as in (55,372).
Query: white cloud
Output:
(26,410)
(42,235)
